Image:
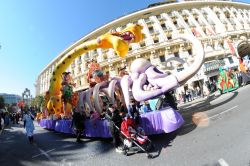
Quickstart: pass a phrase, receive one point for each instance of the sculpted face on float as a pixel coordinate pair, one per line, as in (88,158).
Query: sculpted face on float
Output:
(140,66)
(148,81)
(120,41)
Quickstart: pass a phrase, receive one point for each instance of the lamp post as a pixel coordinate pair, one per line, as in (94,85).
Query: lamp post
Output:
(26,96)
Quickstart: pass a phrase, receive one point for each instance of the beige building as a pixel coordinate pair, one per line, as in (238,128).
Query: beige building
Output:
(223,27)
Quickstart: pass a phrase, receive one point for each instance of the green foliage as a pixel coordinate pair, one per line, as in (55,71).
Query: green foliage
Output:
(38,101)
(33,102)
(2,104)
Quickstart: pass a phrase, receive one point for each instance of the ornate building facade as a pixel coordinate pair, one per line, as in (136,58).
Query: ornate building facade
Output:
(223,27)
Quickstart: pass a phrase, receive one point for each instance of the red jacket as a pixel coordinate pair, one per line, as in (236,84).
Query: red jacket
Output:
(126,124)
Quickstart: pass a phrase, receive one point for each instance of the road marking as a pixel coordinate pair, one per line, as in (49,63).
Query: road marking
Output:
(214,115)
(66,146)
(222,162)
(44,153)
(221,113)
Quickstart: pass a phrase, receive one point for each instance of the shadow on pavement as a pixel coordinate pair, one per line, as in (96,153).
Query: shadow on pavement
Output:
(66,145)
(188,111)
(199,106)
(16,150)
(162,142)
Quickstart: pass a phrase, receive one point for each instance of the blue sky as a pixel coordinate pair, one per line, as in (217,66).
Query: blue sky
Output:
(34,32)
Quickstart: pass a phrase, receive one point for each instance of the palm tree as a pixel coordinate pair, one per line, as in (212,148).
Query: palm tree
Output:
(38,101)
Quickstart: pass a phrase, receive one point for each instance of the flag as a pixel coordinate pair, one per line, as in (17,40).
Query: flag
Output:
(195,32)
(230,44)
(231,47)
(210,31)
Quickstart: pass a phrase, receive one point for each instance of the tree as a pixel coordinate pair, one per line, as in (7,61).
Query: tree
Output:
(38,101)
(33,102)
(2,104)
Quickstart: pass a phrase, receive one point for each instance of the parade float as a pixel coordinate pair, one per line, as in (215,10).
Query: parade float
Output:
(227,80)
(144,83)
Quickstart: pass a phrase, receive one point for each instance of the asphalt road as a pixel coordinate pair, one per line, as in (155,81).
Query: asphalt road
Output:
(215,133)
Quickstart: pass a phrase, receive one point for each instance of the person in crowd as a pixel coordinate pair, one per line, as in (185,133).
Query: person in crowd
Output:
(148,106)
(115,121)
(243,70)
(29,126)
(6,119)
(198,91)
(78,119)
(186,95)
(14,118)
(170,99)
(213,86)
(104,110)
(123,110)
(133,110)
(183,97)
(192,94)
(1,122)
(242,67)
(17,117)
(189,95)
(239,77)
(248,65)
(2,115)
(145,107)
(11,117)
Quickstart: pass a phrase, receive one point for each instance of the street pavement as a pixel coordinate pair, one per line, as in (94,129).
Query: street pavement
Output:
(215,133)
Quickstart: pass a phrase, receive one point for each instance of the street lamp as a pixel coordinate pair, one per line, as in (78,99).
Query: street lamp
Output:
(26,96)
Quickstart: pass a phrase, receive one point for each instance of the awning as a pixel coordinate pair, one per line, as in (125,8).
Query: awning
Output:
(213,65)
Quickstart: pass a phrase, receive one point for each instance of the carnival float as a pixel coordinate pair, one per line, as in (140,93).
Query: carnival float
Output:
(144,83)
(227,80)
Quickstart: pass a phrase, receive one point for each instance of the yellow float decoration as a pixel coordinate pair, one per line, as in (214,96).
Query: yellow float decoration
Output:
(119,41)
